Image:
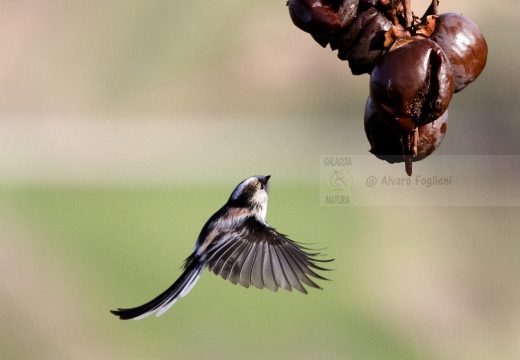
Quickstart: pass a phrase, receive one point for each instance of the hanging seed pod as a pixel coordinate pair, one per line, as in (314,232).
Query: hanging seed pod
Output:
(412,84)
(463,44)
(369,45)
(348,39)
(415,66)
(315,17)
(387,143)
(321,18)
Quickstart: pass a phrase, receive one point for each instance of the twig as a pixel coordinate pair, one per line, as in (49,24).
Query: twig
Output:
(408,15)
(415,141)
(434,6)
(407,145)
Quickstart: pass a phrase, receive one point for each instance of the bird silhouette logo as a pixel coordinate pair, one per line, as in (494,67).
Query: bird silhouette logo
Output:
(338,182)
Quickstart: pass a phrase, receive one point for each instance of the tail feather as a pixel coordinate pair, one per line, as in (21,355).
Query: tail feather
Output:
(165,300)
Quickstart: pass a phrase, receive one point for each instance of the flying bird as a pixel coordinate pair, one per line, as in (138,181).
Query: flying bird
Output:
(239,245)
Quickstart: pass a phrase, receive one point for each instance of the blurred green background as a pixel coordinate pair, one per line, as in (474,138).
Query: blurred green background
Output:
(124,125)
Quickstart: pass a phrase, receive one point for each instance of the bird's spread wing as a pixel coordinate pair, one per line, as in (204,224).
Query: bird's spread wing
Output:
(256,254)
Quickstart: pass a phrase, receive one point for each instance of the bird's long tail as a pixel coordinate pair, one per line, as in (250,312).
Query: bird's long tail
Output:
(192,269)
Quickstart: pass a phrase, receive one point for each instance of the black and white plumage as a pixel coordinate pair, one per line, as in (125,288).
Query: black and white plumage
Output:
(238,244)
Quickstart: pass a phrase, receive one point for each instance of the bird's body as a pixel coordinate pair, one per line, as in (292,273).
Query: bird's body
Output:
(238,244)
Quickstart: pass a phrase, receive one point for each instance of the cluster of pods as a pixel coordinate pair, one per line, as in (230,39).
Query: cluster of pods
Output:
(416,64)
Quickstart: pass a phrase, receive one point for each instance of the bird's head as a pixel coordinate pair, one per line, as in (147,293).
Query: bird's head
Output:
(252,194)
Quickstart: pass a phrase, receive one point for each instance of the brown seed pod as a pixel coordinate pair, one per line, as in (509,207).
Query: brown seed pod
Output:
(315,17)
(463,44)
(412,85)
(368,46)
(321,18)
(387,143)
(348,39)
(347,12)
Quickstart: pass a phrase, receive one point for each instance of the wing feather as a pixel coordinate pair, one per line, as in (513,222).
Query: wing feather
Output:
(244,270)
(299,269)
(278,270)
(229,261)
(255,276)
(217,258)
(256,254)
(288,270)
(267,270)
(242,262)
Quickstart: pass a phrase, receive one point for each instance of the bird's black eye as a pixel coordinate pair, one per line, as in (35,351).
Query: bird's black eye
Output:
(261,186)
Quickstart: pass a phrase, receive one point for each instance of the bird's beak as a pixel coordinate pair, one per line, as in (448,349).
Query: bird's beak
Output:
(264,179)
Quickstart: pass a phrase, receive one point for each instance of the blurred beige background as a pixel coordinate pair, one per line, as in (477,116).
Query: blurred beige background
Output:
(124,125)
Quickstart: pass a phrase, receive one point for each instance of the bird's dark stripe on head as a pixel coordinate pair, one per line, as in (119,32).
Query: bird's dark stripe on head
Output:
(240,187)
(243,192)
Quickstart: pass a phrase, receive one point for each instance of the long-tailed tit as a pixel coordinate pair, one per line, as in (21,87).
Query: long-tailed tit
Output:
(239,245)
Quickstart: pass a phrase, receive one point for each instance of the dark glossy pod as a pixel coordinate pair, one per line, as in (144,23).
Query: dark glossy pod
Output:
(387,143)
(369,45)
(347,12)
(365,4)
(464,46)
(347,40)
(324,19)
(412,85)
